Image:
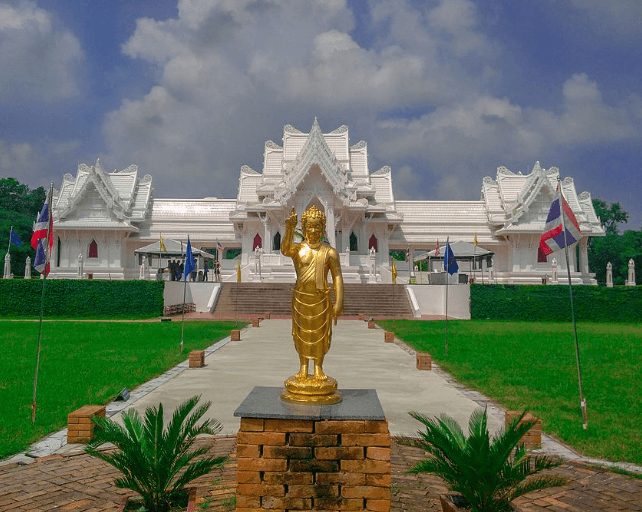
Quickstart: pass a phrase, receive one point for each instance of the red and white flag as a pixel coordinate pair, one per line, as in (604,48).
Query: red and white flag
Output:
(553,238)
(42,238)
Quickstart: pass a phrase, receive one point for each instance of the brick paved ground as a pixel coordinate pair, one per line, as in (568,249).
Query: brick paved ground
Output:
(82,483)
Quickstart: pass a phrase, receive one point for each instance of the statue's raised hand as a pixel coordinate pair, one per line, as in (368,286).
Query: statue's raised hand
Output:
(292,220)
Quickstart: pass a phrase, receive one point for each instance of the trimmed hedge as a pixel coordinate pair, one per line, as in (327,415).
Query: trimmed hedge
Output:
(552,303)
(70,298)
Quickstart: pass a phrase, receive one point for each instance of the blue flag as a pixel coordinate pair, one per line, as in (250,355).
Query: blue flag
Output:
(189,260)
(450,263)
(15,239)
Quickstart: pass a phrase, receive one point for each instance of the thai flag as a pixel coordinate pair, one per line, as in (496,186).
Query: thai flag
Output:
(42,238)
(553,237)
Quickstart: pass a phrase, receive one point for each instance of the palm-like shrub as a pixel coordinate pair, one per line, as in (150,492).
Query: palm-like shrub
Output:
(156,462)
(488,472)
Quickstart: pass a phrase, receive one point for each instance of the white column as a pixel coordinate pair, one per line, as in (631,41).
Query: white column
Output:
(584,255)
(267,235)
(329,225)
(609,275)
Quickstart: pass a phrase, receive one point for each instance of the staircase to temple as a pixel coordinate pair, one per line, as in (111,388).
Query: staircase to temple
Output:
(359,299)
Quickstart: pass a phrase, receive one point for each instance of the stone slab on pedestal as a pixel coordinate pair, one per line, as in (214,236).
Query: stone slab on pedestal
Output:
(357,404)
(313,457)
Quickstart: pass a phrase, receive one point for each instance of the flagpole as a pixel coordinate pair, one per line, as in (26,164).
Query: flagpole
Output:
(447,267)
(189,259)
(474,256)
(570,289)
(42,302)
(183,308)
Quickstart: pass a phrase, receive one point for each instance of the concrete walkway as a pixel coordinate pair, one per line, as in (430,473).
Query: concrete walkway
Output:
(358,358)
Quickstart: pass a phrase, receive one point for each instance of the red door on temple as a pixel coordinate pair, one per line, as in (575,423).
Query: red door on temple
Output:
(257,242)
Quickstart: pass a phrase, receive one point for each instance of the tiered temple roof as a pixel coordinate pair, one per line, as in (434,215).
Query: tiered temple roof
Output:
(98,199)
(520,203)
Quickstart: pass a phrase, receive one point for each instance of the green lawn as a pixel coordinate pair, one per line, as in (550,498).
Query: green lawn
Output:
(83,363)
(531,365)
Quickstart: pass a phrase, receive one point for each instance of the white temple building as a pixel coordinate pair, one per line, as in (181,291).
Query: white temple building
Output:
(106,216)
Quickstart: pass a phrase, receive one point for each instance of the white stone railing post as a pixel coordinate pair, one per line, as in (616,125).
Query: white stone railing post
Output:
(7,266)
(631,280)
(28,268)
(609,275)
(554,279)
(80,266)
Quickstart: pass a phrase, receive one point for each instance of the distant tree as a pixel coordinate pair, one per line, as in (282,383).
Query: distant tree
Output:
(615,248)
(610,215)
(398,255)
(19,207)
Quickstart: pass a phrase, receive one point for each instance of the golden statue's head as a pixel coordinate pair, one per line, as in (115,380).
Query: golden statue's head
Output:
(312,214)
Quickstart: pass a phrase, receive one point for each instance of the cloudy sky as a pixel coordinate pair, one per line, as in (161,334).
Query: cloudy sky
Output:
(444,91)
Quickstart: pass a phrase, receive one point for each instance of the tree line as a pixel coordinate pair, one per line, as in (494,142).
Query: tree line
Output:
(615,247)
(19,207)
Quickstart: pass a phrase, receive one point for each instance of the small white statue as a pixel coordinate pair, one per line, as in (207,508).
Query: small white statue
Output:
(142,269)
(609,275)
(631,280)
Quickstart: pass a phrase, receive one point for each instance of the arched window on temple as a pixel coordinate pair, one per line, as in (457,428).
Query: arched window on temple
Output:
(372,243)
(353,242)
(58,247)
(257,242)
(276,243)
(93,249)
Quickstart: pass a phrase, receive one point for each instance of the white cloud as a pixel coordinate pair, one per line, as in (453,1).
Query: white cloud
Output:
(234,72)
(37,163)
(616,20)
(39,60)
(14,157)
(459,142)
(586,118)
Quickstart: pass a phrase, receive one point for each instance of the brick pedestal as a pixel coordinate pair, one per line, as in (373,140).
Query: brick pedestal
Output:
(372,324)
(256,322)
(533,438)
(266,316)
(424,361)
(197,359)
(302,460)
(235,335)
(389,337)
(80,428)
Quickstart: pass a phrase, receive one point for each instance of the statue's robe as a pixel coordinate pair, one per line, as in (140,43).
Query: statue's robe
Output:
(311,303)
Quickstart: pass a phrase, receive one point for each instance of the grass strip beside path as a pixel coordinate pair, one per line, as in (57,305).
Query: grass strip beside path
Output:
(532,366)
(83,363)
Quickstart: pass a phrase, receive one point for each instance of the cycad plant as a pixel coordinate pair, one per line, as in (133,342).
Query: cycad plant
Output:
(156,462)
(487,472)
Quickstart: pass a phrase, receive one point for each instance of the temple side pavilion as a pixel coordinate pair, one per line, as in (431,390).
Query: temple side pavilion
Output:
(108,216)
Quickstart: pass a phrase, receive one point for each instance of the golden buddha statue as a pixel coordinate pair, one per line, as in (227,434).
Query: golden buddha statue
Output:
(312,308)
